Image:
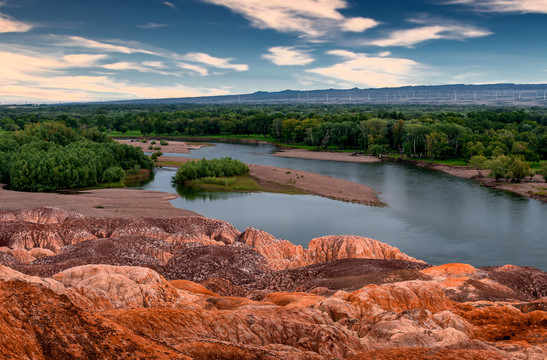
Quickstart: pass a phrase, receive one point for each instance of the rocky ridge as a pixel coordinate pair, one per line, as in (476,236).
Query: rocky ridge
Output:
(197,288)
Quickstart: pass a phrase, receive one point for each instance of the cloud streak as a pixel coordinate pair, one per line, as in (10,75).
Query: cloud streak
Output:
(518,6)
(80,42)
(411,37)
(39,77)
(311,19)
(288,55)
(221,63)
(360,69)
(170,4)
(9,24)
(152,25)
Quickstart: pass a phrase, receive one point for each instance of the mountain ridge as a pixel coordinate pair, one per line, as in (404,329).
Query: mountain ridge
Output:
(450,94)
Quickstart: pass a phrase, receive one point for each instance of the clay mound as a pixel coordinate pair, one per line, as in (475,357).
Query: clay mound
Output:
(121,286)
(428,354)
(202,227)
(281,254)
(126,251)
(7,259)
(529,282)
(450,270)
(41,215)
(239,265)
(346,274)
(37,323)
(329,248)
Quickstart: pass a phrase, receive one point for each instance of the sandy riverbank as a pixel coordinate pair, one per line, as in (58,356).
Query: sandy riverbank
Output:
(99,203)
(326,155)
(535,188)
(305,181)
(172,147)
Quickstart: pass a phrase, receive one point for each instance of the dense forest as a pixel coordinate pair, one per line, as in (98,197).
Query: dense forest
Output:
(411,131)
(50,156)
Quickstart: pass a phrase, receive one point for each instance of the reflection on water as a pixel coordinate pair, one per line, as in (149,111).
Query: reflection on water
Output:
(194,193)
(431,215)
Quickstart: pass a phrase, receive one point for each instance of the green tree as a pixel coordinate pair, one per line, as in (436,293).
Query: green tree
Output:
(478,162)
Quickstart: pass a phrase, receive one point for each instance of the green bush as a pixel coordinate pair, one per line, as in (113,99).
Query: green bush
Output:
(193,170)
(163,142)
(113,174)
(153,142)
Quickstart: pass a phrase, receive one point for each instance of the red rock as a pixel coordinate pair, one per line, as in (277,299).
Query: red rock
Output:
(329,248)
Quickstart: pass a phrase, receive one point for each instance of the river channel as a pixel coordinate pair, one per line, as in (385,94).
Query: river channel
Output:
(430,215)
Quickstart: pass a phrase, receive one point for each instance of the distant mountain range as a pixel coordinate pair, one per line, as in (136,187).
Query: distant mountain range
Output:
(457,94)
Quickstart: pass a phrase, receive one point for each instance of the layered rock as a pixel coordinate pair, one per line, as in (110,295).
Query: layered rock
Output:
(196,288)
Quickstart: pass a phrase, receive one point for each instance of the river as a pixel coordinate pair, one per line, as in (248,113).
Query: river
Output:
(432,216)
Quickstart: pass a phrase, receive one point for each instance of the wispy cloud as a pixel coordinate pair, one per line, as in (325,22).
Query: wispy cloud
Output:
(77,41)
(83,60)
(287,55)
(519,6)
(311,19)
(143,67)
(221,63)
(9,24)
(411,37)
(363,70)
(194,68)
(170,4)
(152,25)
(40,77)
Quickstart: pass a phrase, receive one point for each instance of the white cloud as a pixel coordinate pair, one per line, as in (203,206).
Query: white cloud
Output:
(170,4)
(9,24)
(287,55)
(358,24)
(151,25)
(154,64)
(519,6)
(83,60)
(77,41)
(312,19)
(38,77)
(414,36)
(360,69)
(142,67)
(221,63)
(195,68)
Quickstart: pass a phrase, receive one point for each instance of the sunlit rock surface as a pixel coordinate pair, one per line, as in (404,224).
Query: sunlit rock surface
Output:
(196,288)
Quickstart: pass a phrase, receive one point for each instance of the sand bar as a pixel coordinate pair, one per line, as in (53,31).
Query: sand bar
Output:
(99,203)
(327,155)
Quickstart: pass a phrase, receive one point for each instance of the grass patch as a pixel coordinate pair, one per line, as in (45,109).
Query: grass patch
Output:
(221,181)
(244,183)
(450,162)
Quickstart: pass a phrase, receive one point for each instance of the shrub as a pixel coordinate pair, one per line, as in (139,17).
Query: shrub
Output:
(163,142)
(193,170)
(153,142)
(112,174)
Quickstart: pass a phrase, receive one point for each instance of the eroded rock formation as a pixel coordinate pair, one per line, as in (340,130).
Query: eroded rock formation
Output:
(196,288)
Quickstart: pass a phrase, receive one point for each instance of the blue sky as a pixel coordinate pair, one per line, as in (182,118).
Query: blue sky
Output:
(89,50)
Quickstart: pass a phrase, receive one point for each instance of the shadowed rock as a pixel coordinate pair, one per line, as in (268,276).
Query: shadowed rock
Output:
(127,251)
(195,262)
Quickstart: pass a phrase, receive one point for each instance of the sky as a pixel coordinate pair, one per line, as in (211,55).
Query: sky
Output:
(93,50)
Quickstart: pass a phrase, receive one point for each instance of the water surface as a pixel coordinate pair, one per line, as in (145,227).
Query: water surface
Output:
(432,216)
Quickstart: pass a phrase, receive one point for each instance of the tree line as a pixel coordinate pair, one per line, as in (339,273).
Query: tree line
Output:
(413,131)
(50,156)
